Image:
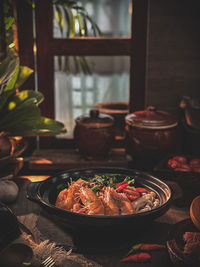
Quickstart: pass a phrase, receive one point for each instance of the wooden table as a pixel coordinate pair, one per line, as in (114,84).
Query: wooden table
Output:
(156,233)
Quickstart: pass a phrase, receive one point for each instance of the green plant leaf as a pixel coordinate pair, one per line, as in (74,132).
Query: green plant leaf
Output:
(3,98)
(46,126)
(24,73)
(80,24)
(95,27)
(73,29)
(37,127)
(26,109)
(20,114)
(67,22)
(16,100)
(85,26)
(76,64)
(84,65)
(9,70)
(59,17)
(9,22)
(67,64)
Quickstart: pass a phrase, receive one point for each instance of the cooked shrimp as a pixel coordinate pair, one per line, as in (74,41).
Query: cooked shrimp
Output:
(111,207)
(77,207)
(92,204)
(117,203)
(72,195)
(123,202)
(61,198)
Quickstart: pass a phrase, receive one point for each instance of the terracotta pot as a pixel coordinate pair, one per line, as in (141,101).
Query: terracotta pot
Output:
(5,145)
(94,134)
(151,133)
(118,110)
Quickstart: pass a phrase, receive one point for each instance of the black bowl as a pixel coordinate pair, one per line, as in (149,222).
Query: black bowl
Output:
(46,192)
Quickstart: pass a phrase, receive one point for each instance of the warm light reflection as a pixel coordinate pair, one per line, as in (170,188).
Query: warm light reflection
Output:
(34,48)
(43,161)
(44,130)
(35,178)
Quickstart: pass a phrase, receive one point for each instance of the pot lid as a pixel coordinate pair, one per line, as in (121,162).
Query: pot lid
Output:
(95,120)
(151,118)
(113,107)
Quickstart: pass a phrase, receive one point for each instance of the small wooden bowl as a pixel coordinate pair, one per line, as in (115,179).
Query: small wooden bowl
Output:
(175,244)
(195,211)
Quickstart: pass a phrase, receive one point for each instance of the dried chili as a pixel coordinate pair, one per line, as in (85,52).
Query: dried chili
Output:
(141,190)
(145,247)
(121,187)
(119,184)
(138,257)
(150,247)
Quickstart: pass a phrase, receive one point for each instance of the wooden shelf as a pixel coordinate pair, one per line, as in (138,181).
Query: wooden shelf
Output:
(62,159)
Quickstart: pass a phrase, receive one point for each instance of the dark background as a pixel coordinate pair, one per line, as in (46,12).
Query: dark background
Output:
(173,54)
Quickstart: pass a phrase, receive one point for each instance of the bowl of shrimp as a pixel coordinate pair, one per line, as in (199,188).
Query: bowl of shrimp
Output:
(102,198)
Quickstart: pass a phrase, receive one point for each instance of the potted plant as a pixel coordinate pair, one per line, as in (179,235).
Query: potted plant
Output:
(19,109)
(19,117)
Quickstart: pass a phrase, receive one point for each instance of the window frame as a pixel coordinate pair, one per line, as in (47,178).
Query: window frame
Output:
(135,46)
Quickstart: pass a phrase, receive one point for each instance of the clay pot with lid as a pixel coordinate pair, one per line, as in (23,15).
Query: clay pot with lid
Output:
(94,134)
(151,133)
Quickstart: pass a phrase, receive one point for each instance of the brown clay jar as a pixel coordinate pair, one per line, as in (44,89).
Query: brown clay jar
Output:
(151,133)
(94,134)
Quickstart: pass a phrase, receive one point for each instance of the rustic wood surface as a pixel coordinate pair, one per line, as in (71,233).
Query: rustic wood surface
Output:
(156,233)
(57,159)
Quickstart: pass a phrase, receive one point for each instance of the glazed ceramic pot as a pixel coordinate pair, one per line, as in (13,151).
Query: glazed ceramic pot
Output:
(94,134)
(45,193)
(118,110)
(151,133)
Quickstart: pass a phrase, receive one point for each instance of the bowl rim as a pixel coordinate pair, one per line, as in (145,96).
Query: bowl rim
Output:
(101,217)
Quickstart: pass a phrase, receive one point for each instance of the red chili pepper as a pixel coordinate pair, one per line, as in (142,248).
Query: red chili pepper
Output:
(130,191)
(138,257)
(121,187)
(124,182)
(172,164)
(131,194)
(132,198)
(141,190)
(180,159)
(149,247)
(194,162)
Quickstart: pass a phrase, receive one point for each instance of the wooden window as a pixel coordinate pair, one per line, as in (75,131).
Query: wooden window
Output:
(133,46)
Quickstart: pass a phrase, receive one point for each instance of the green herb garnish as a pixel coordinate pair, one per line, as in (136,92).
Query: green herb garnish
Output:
(95,188)
(129,180)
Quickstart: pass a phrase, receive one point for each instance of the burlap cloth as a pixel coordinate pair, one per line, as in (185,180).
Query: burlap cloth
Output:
(42,249)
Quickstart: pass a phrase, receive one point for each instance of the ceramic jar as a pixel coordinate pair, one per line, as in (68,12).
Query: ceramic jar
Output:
(94,134)
(151,133)
(118,110)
